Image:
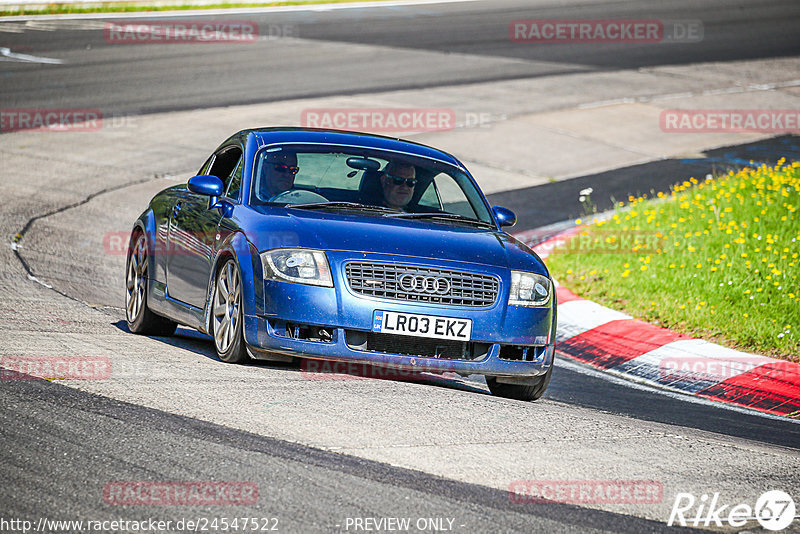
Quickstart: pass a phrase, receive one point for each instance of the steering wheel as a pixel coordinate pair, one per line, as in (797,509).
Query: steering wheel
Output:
(298,196)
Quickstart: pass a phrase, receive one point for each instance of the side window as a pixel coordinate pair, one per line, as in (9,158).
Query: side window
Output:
(450,194)
(430,198)
(235,184)
(206,165)
(224,164)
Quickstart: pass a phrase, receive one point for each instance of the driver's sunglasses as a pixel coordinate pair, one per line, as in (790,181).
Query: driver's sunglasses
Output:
(282,167)
(399,180)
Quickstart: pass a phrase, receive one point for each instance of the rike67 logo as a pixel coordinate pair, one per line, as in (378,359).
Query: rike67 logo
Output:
(774,510)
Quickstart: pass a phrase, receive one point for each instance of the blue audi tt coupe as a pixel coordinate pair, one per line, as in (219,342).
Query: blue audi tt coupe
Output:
(344,246)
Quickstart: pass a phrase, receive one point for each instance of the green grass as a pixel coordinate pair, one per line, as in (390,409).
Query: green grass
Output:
(63,9)
(717,260)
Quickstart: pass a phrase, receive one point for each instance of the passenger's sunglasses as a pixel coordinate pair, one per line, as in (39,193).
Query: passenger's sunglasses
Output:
(282,167)
(399,180)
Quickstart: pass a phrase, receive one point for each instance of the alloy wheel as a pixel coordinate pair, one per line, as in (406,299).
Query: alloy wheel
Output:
(136,280)
(227,307)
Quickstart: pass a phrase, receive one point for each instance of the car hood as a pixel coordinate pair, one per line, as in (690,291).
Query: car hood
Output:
(281,227)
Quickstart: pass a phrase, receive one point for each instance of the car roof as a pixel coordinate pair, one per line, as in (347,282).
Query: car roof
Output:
(266,136)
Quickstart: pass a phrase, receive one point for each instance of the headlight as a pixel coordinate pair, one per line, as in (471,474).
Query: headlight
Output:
(529,289)
(298,265)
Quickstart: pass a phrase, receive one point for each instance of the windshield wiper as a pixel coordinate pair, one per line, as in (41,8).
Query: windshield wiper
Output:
(445,216)
(342,205)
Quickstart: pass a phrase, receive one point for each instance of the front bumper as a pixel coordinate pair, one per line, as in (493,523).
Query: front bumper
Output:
(506,340)
(337,349)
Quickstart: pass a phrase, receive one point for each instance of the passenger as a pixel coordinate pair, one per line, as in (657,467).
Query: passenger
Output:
(279,170)
(398,182)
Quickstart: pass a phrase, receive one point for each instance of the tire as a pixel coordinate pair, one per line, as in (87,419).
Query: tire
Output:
(138,315)
(227,314)
(528,392)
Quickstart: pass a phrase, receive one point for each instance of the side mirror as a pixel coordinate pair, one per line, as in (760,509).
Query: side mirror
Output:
(504,216)
(205,184)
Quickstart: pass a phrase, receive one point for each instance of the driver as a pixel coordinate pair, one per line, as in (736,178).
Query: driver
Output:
(397,183)
(279,170)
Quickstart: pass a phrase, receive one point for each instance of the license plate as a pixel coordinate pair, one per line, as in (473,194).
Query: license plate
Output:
(410,324)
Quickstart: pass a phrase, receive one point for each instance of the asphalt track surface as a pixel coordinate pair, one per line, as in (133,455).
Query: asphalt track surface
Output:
(73,440)
(306,489)
(139,79)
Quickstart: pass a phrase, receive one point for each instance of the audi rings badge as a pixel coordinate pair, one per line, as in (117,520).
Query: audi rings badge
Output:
(418,283)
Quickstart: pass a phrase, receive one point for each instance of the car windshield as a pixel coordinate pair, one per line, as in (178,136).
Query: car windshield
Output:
(353,179)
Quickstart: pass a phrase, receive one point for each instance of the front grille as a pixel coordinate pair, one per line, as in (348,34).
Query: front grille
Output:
(436,286)
(416,346)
